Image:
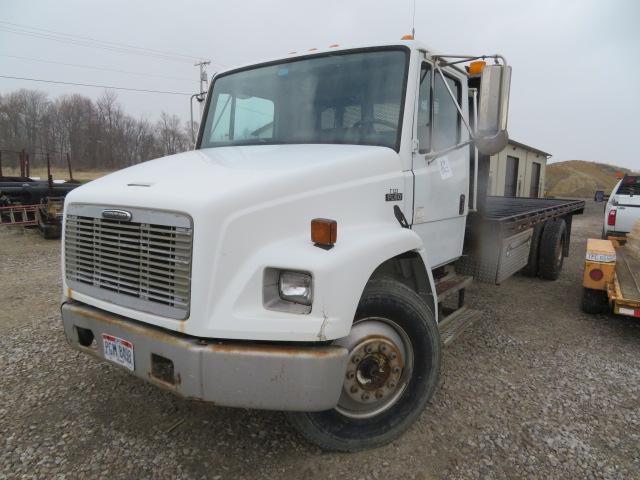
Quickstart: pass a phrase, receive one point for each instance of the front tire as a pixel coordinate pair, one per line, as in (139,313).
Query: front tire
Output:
(392,372)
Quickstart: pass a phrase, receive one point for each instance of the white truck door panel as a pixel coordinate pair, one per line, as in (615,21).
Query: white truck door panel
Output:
(441,181)
(438,188)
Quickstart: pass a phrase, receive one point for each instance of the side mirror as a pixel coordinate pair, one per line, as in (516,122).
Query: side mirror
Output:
(599,196)
(493,107)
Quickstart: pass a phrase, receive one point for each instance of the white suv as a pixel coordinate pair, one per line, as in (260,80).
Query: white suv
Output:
(623,208)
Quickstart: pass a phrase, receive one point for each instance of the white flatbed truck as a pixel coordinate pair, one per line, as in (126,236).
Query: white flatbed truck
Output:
(312,253)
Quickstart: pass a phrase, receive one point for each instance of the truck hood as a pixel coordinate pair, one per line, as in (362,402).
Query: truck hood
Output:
(185,180)
(251,208)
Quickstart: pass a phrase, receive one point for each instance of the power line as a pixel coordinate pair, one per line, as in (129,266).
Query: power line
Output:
(83,43)
(96,86)
(79,39)
(95,67)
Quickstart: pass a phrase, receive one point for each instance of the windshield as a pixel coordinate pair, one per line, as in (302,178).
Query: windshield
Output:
(352,97)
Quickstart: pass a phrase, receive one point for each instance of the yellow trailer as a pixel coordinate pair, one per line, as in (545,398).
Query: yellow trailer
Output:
(611,278)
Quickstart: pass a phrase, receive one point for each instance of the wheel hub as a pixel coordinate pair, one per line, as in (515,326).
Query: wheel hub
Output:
(373,371)
(378,367)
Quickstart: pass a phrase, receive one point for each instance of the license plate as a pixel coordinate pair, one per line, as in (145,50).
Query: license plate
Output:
(118,350)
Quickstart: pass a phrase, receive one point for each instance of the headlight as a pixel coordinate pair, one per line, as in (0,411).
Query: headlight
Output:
(295,287)
(287,290)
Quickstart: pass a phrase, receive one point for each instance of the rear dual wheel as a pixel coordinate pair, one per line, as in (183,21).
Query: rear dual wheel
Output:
(392,372)
(552,246)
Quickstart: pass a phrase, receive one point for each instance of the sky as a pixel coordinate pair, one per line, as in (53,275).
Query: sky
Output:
(576,63)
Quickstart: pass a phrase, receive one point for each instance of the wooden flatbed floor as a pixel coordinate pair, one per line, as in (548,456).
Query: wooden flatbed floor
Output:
(628,273)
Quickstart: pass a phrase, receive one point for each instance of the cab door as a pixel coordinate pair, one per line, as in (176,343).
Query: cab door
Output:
(440,164)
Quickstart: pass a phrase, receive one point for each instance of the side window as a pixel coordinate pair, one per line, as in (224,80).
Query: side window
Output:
(221,119)
(253,118)
(424,109)
(446,121)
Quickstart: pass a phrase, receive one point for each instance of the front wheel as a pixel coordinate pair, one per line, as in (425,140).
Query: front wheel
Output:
(392,372)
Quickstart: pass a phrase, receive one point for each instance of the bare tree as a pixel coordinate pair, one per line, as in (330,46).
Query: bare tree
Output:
(171,136)
(97,135)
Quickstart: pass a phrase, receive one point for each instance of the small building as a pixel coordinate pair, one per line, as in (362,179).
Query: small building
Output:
(518,171)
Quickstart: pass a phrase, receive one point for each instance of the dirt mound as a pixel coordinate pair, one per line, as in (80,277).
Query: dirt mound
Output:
(579,178)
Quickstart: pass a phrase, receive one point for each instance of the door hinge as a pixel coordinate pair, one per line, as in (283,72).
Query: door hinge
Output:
(415,145)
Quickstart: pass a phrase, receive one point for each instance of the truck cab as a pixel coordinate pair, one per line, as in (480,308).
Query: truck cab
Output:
(295,260)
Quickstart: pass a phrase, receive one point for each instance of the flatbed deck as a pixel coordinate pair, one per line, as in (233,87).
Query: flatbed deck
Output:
(516,214)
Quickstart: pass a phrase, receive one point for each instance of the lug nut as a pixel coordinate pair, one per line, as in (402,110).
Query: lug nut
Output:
(356,359)
(354,389)
(383,348)
(379,394)
(351,375)
(397,370)
(368,349)
(392,384)
(365,396)
(393,355)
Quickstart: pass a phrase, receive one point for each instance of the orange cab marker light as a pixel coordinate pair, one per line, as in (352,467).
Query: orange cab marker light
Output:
(313,49)
(407,37)
(476,67)
(334,45)
(324,232)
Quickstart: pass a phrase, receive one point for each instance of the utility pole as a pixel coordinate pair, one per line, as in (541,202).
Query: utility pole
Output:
(203,81)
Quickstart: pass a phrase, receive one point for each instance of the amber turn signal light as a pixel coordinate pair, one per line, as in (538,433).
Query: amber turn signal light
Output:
(324,232)
(476,68)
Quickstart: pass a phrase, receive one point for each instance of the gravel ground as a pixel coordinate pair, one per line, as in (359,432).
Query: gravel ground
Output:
(536,390)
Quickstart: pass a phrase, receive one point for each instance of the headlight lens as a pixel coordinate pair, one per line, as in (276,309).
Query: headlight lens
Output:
(295,287)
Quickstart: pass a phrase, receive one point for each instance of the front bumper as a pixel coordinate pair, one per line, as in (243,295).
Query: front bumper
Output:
(234,374)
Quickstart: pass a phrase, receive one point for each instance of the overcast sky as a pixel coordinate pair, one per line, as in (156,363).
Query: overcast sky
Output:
(576,63)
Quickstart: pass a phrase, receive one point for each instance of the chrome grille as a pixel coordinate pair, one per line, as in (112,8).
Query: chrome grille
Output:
(145,264)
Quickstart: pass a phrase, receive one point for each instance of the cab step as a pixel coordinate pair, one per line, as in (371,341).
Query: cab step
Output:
(452,284)
(457,322)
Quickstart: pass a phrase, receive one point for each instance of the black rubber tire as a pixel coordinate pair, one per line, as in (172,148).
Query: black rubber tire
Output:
(331,430)
(50,232)
(594,301)
(551,255)
(531,268)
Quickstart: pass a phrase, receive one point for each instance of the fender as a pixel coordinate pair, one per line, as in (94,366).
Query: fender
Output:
(339,278)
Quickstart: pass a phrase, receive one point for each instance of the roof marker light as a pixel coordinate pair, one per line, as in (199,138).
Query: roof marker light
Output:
(407,37)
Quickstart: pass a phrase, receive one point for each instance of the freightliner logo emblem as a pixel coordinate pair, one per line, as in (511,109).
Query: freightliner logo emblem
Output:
(121,215)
